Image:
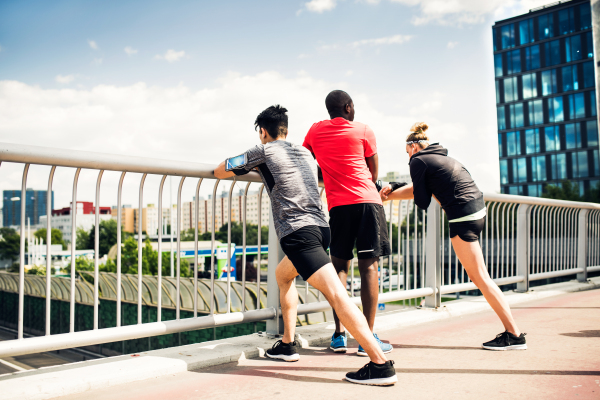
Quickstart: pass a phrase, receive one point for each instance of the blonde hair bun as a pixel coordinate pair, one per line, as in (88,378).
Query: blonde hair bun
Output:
(418,133)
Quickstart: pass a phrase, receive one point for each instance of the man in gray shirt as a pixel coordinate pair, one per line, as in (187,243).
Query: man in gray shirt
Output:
(289,172)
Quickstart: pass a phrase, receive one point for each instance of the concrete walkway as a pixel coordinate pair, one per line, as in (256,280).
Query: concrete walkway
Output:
(435,360)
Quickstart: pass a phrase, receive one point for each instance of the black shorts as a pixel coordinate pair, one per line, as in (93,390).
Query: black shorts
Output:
(361,224)
(468,231)
(307,249)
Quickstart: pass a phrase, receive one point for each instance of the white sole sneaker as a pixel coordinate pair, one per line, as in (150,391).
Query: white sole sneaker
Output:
(375,382)
(513,347)
(339,349)
(293,357)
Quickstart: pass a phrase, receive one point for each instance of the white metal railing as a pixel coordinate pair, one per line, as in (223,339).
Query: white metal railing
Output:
(524,239)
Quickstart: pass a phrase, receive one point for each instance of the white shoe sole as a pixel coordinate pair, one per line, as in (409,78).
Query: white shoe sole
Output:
(339,349)
(364,353)
(293,357)
(513,347)
(376,382)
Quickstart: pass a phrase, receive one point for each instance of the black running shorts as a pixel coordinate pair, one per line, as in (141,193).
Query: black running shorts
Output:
(468,231)
(362,225)
(307,249)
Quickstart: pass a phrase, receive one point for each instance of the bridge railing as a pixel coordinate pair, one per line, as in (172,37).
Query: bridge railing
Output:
(524,239)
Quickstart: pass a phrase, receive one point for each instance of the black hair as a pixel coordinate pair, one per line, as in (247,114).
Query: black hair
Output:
(336,102)
(274,120)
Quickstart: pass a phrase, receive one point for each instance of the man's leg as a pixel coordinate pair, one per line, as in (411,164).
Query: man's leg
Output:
(341,267)
(369,288)
(288,297)
(326,281)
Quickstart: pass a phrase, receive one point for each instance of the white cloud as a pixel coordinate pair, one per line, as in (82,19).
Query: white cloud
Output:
(93,44)
(97,61)
(64,79)
(320,6)
(396,39)
(130,50)
(178,123)
(349,72)
(171,55)
(452,45)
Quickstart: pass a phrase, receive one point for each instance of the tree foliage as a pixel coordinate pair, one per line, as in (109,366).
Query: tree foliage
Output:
(568,190)
(10,244)
(56,236)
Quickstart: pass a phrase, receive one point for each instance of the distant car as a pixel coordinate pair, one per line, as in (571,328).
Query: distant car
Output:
(356,284)
(386,280)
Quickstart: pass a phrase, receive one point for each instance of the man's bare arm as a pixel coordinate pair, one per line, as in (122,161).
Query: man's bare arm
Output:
(403,193)
(220,172)
(373,165)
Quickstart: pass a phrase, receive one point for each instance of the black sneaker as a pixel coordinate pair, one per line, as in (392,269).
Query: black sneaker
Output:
(283,351)
(374,374)
(506,341)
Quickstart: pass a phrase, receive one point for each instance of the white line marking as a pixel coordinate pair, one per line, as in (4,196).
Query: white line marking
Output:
(11,365)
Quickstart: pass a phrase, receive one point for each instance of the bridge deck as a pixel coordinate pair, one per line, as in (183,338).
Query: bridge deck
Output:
(434,360)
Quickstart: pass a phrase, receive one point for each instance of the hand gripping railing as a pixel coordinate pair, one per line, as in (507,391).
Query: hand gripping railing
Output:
(524,239)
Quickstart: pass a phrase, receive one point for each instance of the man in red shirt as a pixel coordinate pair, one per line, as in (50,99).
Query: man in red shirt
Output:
(347,154)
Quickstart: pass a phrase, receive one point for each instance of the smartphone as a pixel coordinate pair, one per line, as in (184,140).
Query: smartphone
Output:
(235,162)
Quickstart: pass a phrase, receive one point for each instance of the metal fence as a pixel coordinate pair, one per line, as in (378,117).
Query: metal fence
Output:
(524,239)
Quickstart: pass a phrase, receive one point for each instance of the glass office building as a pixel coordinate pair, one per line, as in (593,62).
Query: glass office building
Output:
(35,206)
(546,99)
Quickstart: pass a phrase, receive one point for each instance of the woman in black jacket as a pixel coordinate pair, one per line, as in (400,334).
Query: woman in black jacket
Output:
(435,174)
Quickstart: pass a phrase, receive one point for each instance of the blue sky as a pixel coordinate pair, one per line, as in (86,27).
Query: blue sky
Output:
(183,80)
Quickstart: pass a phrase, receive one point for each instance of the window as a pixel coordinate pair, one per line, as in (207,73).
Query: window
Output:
(501,119)
(576,106)
(569,78)
(566,21)
(538,168)
(519,170)
(529,86)
(532,57)
(572,136)
(596,165)
(500,149)
(555,109)
(536,112)
(513,143)
(592,94)
(588,74)
(589,45)
(526,31)
(497,92)
(494,34)
(516,115)
(591,131)
(513,62)
(503,171)
(510,89)
(552,50)
(585,16)
(580,164)
(558,166)
(548,82)
(534,190)
(552,136)
(546,26)
(507,33)
(498,64)
(532,141)
(573,48)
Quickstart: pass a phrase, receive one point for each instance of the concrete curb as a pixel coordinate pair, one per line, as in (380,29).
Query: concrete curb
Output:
(47,383)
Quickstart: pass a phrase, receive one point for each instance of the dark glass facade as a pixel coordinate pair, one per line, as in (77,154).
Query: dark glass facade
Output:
(35,206)
(546,99)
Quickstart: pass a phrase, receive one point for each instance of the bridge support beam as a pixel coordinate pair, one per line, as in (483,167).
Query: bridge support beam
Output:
(582,244)
(276,254)
(433,264)
(523,234)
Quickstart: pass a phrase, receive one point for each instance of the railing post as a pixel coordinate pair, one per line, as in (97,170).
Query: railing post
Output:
(523,235)
(433,265)
(582,240)
(276,254)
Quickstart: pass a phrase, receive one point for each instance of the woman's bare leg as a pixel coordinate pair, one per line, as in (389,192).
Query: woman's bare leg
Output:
(471,257)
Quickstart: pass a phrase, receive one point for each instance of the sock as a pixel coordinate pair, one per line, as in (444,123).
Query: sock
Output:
(338,334)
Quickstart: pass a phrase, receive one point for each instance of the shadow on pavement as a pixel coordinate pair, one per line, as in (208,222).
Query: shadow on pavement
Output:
(583,334)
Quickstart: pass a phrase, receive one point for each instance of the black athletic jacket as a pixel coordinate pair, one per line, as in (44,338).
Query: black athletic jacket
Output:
(433,172)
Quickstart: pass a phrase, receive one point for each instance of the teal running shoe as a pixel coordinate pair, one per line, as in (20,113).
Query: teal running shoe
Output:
(339,344)
(385,347)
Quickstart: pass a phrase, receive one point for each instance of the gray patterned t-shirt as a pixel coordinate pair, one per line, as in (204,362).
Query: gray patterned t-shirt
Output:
(289,173)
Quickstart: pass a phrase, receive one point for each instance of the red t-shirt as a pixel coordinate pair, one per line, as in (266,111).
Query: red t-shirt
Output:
(341,147)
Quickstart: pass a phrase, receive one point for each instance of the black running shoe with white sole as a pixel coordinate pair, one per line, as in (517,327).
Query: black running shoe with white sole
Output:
(506,341)
(374,374)
(283,351)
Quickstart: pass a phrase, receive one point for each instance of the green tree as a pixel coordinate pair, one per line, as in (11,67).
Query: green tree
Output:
(40,270)
(237,234)
(10,244)
(567,190)
(82,239)
(108,236)
(56,236)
